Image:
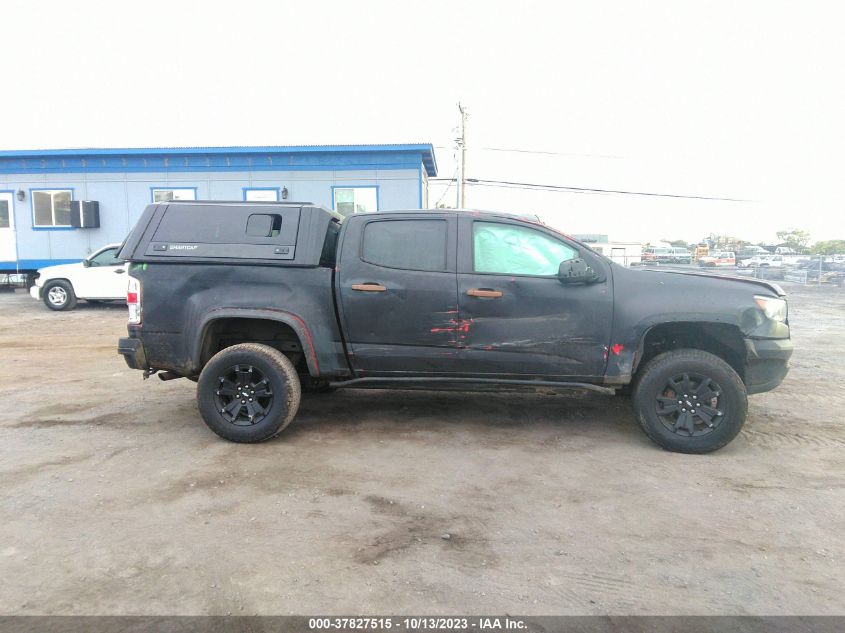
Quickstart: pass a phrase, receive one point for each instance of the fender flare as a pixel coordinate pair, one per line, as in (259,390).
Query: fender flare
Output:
(294,321)
(645,327)
(54,279)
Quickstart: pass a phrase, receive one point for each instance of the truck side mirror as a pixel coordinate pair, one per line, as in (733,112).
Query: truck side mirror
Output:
(576,271)
(86,263)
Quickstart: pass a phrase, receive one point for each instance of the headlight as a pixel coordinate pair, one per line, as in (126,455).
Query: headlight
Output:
(773,308)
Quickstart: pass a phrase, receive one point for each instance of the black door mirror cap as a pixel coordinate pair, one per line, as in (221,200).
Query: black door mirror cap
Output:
(576,271)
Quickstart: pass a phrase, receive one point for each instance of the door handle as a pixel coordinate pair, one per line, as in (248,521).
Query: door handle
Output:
(369,287)
(484,292)
(119,271)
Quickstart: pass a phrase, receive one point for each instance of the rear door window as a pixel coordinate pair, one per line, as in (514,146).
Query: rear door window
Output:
(406,244)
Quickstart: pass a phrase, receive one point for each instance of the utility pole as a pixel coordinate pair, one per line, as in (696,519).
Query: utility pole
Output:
(462,165)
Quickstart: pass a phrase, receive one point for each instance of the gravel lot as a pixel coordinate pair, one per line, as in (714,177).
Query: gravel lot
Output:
(116,499)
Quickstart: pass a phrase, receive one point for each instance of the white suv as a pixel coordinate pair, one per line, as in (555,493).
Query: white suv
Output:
(763,261)
(100,276)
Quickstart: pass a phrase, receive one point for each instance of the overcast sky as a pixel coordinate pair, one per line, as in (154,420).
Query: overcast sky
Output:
(727,99)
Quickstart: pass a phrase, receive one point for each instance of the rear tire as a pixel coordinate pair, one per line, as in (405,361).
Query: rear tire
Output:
(58,295)
(690,401)
(248,393)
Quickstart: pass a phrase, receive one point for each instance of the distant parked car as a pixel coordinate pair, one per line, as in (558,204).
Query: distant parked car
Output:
(721,258)
(100,276)
(657,255)
(763,261)
(680,256)
(827,265)
(751,251)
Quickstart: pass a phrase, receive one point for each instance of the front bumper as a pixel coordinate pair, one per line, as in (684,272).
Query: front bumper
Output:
(133,353)
(35,292)
(767,363)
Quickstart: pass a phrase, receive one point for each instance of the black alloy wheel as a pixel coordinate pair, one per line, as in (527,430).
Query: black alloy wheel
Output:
(243,395)
(689,405)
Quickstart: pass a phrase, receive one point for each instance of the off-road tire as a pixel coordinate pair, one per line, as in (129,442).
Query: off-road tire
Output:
(61,287)
(653,378)
(281,378)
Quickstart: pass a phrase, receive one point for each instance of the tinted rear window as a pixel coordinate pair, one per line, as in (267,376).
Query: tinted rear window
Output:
(406,244)
(328,257)
(222,224)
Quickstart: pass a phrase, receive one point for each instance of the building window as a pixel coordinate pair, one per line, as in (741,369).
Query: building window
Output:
(406,244)
(5,215)
(261,194)
(349,200)
(167,195)
(51,207)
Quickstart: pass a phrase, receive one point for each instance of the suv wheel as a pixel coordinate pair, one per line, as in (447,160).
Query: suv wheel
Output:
(690,401)
(248,393)
(59,295)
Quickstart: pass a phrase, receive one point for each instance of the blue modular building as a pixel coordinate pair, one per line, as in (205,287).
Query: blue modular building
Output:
(57,206)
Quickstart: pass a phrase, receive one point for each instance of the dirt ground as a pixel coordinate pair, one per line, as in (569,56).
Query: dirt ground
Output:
(116,499)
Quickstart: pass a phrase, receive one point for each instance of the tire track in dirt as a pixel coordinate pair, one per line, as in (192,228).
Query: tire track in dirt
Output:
(779,439)
(585,590)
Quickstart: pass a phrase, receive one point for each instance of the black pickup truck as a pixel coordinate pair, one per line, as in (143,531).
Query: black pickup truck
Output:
(258,302)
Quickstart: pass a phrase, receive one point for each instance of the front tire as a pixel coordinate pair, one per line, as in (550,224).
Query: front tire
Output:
(690,401)
(58,295)
(248,393)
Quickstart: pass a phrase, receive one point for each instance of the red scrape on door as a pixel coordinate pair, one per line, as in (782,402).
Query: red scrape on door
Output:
(455,325)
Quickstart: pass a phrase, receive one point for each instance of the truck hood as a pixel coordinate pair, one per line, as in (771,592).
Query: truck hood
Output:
(60,270)
(728,279)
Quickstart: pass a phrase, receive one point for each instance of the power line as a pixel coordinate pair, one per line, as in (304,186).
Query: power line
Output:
(534,151)
(549,189)
(529,186)
(449,186)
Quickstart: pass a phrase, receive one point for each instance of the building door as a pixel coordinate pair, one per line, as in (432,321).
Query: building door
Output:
(7,227)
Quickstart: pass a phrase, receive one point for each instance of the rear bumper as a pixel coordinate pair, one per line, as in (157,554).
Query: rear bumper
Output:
(767,363)
(133,353)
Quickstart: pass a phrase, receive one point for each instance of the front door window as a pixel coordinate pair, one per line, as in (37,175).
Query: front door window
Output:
(508,249)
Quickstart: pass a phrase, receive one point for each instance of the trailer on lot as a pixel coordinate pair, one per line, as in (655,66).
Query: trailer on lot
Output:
(623,253)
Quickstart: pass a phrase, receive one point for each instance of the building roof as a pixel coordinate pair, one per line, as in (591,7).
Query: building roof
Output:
(425,151)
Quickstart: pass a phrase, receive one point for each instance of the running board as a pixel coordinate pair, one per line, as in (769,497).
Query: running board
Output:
(434,380)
